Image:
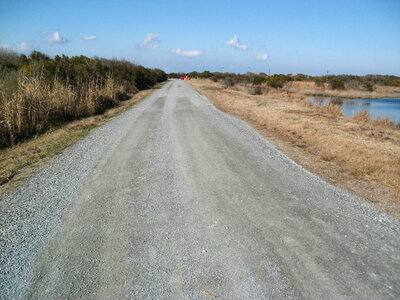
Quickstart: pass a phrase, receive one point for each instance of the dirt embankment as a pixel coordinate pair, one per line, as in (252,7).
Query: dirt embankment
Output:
(356,155)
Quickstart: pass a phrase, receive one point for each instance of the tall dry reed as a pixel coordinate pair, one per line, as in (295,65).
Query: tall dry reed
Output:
(34,105)
(363,117)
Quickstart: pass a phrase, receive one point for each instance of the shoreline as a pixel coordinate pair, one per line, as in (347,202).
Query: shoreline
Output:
(354,97)
(310,89)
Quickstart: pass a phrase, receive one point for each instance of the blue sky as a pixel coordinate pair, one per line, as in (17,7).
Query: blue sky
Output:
(352,37)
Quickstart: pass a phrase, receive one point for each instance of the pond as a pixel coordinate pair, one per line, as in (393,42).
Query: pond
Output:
(384,107)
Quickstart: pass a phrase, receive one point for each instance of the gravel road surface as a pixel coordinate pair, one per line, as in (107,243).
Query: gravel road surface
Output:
(175,199)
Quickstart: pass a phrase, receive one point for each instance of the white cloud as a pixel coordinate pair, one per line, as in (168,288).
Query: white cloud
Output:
(22,47)
(262,56)
(235,42)
(191,53)
(150,41)
(55,37)
(6,46)
(89,38)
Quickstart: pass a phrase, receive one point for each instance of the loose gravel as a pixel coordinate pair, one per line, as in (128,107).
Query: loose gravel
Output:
(32,214)
(175,199)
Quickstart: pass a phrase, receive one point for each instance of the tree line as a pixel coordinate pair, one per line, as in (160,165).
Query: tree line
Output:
(278,80)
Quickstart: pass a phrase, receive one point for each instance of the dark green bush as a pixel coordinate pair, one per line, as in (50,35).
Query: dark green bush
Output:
(193,74)
(336,84)
(80,69)
(103,103)
(278,81)
(205,74)
(258,80)
(228,82)
(176,75)
(393,82)
(369,86)
(121,96)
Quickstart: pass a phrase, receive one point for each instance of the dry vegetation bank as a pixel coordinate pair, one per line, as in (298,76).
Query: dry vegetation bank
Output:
(37,92)
(357,154)
(310,88)
(46,104)
(19,161)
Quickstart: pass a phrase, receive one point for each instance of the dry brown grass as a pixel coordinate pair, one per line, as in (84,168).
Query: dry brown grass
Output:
(384,122)
(357,154)
(333,109)
(363,117)
(19,161)
(34,105)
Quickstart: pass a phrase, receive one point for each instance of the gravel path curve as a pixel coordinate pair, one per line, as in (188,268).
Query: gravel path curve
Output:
(176,199)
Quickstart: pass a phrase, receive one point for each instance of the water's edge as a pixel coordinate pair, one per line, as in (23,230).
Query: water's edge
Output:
(383,107)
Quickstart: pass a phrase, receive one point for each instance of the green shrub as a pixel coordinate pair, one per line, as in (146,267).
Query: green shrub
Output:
(278,81)
(336,84)
(369,86)
(103,103)
(205,74)
(193,74)
(121,96)
(228,82)
(258,80)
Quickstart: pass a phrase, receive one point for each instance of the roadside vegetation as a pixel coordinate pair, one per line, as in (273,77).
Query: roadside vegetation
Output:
(20,160)
(358,153)
(38,92)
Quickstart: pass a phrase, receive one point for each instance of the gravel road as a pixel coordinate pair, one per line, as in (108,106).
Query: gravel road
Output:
(175,199)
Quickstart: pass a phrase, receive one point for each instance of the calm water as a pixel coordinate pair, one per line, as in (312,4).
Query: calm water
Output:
(385,107)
